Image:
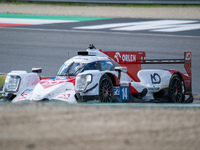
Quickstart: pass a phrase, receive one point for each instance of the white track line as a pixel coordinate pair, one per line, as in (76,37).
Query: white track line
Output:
(32,21)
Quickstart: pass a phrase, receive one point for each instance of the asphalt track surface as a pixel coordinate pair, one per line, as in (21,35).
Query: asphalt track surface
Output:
(49,46)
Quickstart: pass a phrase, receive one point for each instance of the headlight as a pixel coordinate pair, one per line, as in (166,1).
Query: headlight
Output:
(12,83)
(82,81)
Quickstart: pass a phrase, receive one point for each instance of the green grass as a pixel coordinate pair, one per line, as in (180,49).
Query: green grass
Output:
(2,80)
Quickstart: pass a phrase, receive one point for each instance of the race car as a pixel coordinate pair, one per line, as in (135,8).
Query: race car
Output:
(104,76)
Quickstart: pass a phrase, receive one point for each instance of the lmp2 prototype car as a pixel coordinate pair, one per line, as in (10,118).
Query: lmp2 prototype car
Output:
(103,76)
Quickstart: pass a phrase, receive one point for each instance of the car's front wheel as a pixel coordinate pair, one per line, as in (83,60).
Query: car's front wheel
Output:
(106,90)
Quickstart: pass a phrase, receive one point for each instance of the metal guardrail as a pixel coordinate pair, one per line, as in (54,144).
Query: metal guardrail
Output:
(123,1)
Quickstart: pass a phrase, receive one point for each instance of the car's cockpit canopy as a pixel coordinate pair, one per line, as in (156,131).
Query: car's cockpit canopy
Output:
(72,68)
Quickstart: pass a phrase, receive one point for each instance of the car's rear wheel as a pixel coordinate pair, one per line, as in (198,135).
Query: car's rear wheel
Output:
(105,89)
(176,89)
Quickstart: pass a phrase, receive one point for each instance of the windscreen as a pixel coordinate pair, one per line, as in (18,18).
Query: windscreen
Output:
(73,68)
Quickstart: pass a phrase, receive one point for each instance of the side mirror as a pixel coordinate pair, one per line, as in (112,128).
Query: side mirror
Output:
(120,69)
(37,70)
(123,69)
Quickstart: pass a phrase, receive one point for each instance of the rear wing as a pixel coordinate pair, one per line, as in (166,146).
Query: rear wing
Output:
(133,60)
(186,61)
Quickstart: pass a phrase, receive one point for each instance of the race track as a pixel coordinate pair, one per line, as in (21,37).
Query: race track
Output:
(49,46)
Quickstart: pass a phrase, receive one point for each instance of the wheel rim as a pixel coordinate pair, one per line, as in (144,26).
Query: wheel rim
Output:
(176,91)
(106,91)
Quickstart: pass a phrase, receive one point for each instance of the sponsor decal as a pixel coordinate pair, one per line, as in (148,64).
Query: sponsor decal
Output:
(188,56)
(103,58)
(53,82)
(187,59)
(155,78)
(129,58)
(64,96)
(81,58)
(50,83)
(153,88)
(23,96)
(117,56)
(116,90)
(125,57)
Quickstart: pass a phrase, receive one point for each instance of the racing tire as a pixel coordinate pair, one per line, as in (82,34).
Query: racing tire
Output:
(176,90)
(106,90)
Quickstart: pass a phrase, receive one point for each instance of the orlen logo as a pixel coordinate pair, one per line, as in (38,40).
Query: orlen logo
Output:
(125,57)
(117,54)
(188,56)
(129,58)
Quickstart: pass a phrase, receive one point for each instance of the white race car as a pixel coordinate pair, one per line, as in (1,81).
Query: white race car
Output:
(103,76)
